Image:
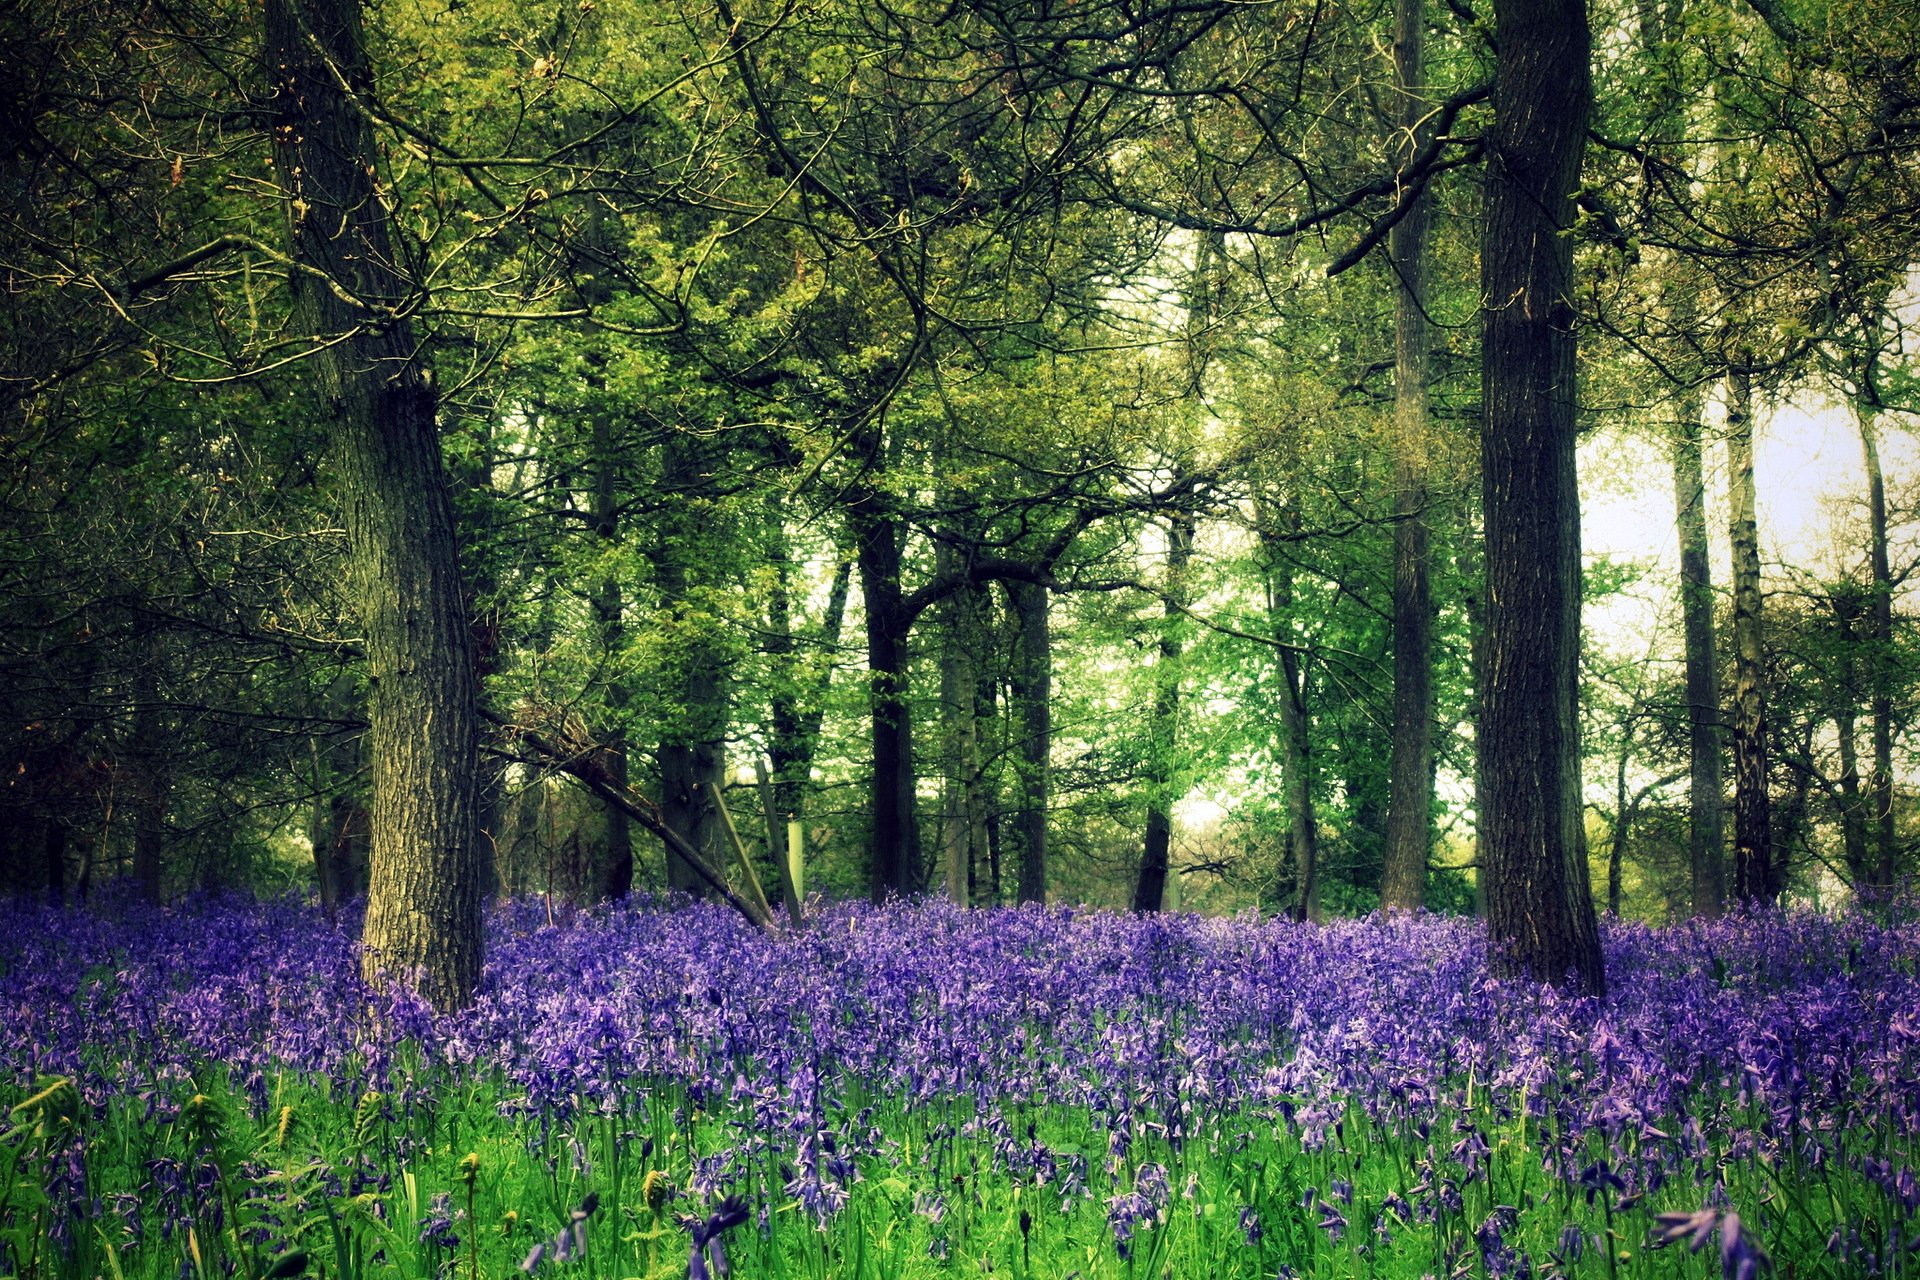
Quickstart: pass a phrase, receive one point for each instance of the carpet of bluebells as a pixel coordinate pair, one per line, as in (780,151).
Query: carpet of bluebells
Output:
(209,1092)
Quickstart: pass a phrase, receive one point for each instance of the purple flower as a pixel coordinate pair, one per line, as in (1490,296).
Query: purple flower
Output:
(709,1255)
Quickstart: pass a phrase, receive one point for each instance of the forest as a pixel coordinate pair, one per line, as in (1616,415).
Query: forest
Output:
(899,638)
(1111,452)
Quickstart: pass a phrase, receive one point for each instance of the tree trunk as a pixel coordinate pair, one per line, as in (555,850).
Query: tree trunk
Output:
(895,858)
(1033,697)
(1409,837)
(1539,898)
(1880,706)
(692,754)
(1846,606)
(1706,827)
(154,781)
(798,702)
(1469,564)
(1296,762)
(962,817)
(424,904)
(615,869)
(1162,777)
(1753,878)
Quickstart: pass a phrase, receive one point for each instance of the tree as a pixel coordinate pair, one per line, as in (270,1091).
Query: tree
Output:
(373,385)
(1540,912)
(1409,837)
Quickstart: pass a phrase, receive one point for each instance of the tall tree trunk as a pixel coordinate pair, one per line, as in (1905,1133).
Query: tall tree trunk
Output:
(423,923)
(1539,897)
(1409,838)
(691,756)
(615,865)
(153,779)
(1161,776)
(798,703)
(1847,607)
(1033,698)
(1753,878)
(895,860)
(1880,705)
(1296,762)
(1469,564)
(1706,827)
(1622,822)
(962,816)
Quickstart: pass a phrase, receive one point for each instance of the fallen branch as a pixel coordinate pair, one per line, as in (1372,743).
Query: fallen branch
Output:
(582,763)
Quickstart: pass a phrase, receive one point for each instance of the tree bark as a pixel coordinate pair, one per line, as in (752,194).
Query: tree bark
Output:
(1540,913)
(962,817)
(1847,607)
(895,856)
(1753,876)
(798,703)
(423,923)
(1706,827)
(1033,697)
(1150,886)
(691,755)
(616,861)
(1296,761)
(1409,837)
(1880,704)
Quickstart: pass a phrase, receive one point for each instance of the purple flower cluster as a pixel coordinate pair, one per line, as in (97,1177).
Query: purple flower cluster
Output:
(1783,1036)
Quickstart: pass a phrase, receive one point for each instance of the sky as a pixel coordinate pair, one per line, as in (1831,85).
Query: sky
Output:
(1810,481)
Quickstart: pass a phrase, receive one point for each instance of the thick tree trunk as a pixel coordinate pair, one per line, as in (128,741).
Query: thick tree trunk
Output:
(1033,699)
(1296,762)
(895,864)
(1880,704)
(1161,776)
(1539,898)
(1409,838)
(1753,876)
(424,904)
(1706,828)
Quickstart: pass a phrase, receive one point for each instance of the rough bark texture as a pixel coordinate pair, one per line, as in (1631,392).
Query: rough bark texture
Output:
(1150,886)
(1032,689)
(1706,830)
(1403,878)
(1539,900)
(1753,877)
(895,863)
(1880,704)
(423,922)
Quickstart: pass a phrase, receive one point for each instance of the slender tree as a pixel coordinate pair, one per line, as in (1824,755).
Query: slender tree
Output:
(1403,880)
